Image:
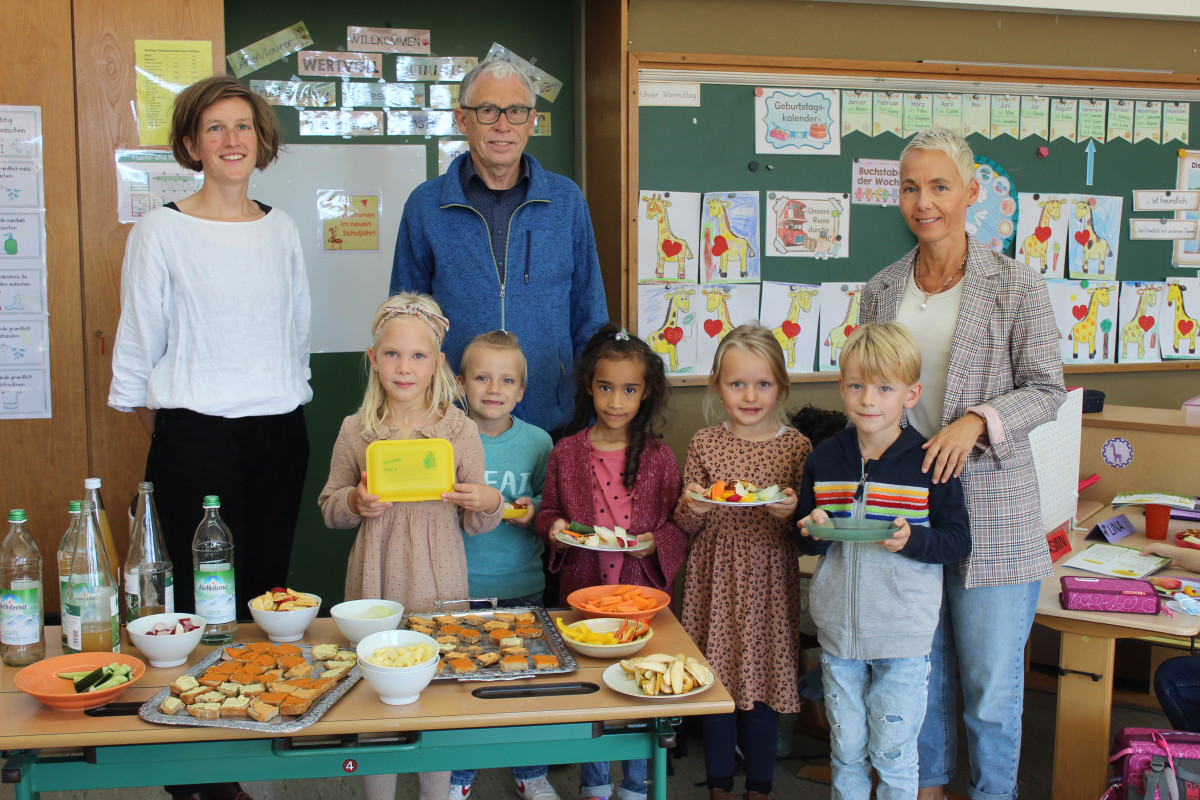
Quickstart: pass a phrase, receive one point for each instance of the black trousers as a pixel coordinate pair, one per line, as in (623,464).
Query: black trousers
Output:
(256,465)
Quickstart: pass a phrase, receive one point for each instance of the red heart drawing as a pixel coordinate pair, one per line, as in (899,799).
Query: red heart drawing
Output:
(849,329)
(1083,237)
(1042,233)
(673,335)
(1185,326)
(790,329)
(671,249)
(364,201)
(1146,322)
(712,327)
(719,245)
(1079,311)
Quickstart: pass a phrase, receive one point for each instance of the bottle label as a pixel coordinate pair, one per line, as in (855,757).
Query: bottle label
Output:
(133,597)
(114,610)
(72,627)
(169,595)
(21,613)
(215,593)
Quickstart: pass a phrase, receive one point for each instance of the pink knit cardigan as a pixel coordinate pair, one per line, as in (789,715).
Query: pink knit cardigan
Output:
(569,495)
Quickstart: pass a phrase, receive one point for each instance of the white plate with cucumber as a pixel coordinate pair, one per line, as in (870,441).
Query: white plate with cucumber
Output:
(599,538)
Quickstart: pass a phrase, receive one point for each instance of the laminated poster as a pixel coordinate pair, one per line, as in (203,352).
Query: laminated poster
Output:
(797,121)
(541,124)
(164,69)
(1176,118)
(343,122)
(993,218)
(918,113)
(1095,236)
(20,131)
(22,288)
(729,237)
(25,393)
(1180,318)
(422,123)
(1042,232)
(20,183)
(1035,117)
(269,50)
(336,64)
(298,93)
(726,305)
(24,341)
(1147,121)
(444,96)
(876,182)
(1064,121)
(856,111)
(387,40)
(545,85)
(383,95)
(348,221)
(809,224)
(668,236)
(840,303)
(433,68)
(1086,315)
(888,113)
(448,150)
(1139,313)
(667,323)
(792,311)
(22,235)
(149,179)
(1092,117)
(1120,120)
(1186,252)
(977,114)
(947,112)
(1006,115)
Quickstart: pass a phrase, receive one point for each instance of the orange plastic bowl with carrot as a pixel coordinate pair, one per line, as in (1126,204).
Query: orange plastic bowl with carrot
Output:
(621,602)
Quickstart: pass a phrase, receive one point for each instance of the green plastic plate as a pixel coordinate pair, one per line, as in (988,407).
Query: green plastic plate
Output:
(854,530)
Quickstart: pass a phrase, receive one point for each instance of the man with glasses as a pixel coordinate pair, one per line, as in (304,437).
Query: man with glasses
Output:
(502,244)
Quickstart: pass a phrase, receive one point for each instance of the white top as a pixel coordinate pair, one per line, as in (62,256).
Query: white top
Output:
(215,317)
(933,328)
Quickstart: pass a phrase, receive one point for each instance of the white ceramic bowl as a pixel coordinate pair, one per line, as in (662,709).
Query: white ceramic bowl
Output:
(169,649)
(286,626)
(605,625)
(345,616)
(396,686)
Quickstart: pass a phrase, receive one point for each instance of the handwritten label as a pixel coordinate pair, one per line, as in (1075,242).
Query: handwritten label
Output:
(332,64)
(269,50)
(668,94)
(422,123)
(341,123)
(417,68)
(388,95)
(387,40)
(301,94)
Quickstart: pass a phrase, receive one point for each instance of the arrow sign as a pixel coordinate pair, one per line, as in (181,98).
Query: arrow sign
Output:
(1091,162)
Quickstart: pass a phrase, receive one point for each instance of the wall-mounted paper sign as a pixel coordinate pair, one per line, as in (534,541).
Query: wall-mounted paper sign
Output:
(977,114)
(888,113)
(422,123)
(545,85)
(1006,115)
(269,50)
(1176,117)
(25,393)
(419,68)
(541,124)
(947,112)
(387,40)
(1063,119)
(1166,200)
(163,70)
(1143,228)
(448,150)
(1035,117)
(1092,117)
(918,113)
(20,183)
(387,95)
(1147,124)
(876,182)
(22,288)
(21,131)
(21,235)
(668,94)
(856,111)
(443,95)
(149,179)
(348,221)
(797,121)
(1120,120)
(23,341)
(341,123)
(300,94)
(333,64)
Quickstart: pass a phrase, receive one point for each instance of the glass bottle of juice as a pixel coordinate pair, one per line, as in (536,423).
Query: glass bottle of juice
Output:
(93,615)
(212,562)
(92,492)
(66,547)
(21,637)
(149,577)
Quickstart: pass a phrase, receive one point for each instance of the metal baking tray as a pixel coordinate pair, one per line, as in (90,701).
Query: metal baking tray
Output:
(149,710)
(549,643)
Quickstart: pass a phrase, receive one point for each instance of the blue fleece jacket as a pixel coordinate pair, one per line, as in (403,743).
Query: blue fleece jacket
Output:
(869,603)
(506,562)
(553,295)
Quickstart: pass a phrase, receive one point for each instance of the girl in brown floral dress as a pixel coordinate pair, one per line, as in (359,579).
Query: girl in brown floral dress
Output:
(742,596)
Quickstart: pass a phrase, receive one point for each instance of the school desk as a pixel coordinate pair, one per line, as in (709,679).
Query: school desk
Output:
(1085,684)
(449,727)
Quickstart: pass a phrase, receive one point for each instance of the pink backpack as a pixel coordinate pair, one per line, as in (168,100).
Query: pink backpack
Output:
(1152,764)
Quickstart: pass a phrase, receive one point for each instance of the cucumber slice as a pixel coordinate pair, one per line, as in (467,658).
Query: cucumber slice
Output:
(579,527)
(71,676)
(97,675)
(115,679)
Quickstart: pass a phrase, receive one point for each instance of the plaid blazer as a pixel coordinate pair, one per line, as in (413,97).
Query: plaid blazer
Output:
(1005,357)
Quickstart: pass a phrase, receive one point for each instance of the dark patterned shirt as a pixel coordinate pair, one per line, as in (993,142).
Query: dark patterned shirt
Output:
(496,206)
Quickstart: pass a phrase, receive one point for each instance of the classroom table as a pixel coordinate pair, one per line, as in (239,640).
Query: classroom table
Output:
(1081,734)
(451,726)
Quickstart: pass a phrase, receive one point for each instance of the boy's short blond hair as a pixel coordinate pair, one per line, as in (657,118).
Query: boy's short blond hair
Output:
(497,340)
(883,352)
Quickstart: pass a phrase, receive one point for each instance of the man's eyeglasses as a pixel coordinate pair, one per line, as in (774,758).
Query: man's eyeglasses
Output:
(490,115)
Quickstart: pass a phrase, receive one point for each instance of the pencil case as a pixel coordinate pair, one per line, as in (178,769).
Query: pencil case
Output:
(1125,595)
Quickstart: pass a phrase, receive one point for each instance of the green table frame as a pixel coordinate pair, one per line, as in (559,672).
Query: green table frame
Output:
(117,766)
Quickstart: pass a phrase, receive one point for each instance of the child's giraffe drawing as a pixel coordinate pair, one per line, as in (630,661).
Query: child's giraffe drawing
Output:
(718,301)
(1093,246)
(789,329)
(1185,326)
(1034,245)
(1134,331)
(1085,329)
(669,334)
(670,247)
(726,243)
(841,332)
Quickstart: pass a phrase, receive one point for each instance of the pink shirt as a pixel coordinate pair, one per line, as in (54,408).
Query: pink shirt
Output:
(614,503)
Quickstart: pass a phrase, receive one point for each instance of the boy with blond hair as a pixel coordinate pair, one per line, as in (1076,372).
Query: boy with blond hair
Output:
(506,562)
(876,602)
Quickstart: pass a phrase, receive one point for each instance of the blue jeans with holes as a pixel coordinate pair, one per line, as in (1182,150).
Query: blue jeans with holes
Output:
(466,777)
(984,629)
(594,779)
(875,710)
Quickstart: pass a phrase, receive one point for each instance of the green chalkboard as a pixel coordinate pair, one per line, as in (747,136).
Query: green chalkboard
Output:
(711,149)
(541,30)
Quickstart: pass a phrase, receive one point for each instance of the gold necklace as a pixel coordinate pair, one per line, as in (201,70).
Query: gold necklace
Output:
(917,277)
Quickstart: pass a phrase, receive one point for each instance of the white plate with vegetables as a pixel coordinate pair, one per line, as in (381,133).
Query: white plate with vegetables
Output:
(738,493)
(600,538)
